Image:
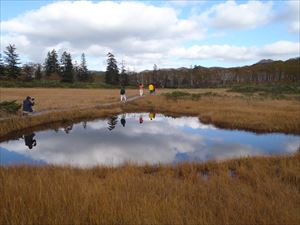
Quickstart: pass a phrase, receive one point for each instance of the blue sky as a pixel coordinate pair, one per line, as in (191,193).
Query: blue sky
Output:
(166,33)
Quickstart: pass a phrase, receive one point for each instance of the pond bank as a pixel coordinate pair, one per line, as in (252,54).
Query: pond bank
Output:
(230,113)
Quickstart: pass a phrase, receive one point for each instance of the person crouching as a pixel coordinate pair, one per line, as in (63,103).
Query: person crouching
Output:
(27,105)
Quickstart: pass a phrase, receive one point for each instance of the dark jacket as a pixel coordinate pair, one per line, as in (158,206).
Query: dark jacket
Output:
(27,105)
(122,92)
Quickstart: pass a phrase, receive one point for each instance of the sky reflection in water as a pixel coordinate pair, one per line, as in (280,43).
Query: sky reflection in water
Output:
(141,138)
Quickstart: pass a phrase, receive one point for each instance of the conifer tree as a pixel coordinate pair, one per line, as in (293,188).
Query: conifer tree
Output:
(12,61)
(51,63)
(2,68)
(112,71)
(38,72)
(83,71)
(123,75)
(66,71)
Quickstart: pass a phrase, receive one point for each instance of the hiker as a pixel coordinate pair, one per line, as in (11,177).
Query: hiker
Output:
(151,88)
(152,115)
(122,93)
(141,86)
(29,141)
(27,105)
(68,129)
(141,119)
(123,121)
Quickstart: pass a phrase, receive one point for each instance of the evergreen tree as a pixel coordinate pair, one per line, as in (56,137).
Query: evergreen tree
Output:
(83,74)
(38,72)
(12,61)
(47,66)
(112,71)
(123,75)
(2,68)
(51,63)
(67,71)
(76,69)
(54,62)
(112,123)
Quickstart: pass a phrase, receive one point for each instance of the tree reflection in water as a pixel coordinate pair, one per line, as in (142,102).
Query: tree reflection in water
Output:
(112,123)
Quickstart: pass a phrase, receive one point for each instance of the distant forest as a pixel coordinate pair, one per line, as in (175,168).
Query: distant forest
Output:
(63,69)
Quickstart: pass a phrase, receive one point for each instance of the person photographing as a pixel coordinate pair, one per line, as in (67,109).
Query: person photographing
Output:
(27,105)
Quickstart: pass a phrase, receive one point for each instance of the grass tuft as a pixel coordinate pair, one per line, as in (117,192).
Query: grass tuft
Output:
(10,106)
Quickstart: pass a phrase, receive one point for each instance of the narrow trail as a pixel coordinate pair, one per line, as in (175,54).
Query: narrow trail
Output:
(98,106)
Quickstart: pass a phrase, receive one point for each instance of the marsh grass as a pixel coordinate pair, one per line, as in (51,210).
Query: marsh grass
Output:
(267,115)
(10,106)
(270,89)
(52,84)
(264,190)
(175,95)
(58,98)
(216,106)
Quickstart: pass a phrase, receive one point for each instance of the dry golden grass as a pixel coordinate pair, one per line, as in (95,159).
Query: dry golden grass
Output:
(58,98)
(263,190)
(230,112)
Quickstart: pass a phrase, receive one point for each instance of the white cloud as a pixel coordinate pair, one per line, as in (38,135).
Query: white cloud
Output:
(280,49)
(142,34)
(231,15)
(131,29)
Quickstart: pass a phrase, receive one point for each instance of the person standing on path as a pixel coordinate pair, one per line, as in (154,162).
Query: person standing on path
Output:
(122,94)
(151,88)
(141,86)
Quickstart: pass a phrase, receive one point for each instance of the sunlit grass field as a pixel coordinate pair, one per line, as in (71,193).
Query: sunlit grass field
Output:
(58,98)
(258,190)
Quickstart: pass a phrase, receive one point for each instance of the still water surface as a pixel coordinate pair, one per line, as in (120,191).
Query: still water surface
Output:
(141,138)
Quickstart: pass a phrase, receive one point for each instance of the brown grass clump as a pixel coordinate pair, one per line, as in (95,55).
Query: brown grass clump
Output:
(260,190)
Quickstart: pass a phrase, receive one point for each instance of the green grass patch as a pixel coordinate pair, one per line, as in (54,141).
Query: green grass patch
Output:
(52,84)
(10,106)
(185,95)
(267,89)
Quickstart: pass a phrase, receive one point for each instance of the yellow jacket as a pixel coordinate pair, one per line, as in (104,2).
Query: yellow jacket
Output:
(151,87)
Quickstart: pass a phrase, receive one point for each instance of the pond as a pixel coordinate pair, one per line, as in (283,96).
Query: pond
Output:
(141,138)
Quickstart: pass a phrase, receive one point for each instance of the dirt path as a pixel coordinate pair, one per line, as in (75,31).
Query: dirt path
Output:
(103,105)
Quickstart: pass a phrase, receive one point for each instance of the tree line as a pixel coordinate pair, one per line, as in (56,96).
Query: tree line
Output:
(62,69)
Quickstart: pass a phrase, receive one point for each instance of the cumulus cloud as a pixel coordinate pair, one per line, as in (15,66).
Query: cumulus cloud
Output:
(276,50)
(233,16)
(126,28)
(142,34)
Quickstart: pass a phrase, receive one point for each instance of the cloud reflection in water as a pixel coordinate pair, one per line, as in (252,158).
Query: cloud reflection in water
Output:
(161,140)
